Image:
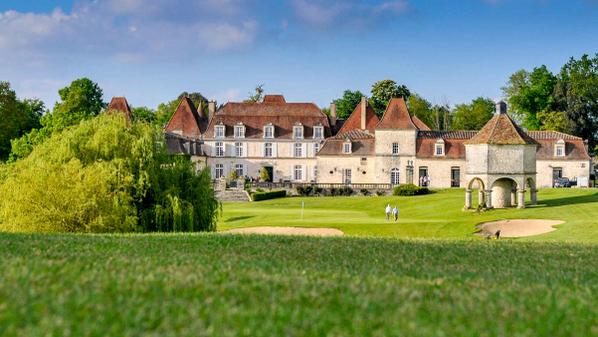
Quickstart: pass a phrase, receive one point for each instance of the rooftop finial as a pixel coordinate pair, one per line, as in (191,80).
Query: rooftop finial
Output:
(501,107)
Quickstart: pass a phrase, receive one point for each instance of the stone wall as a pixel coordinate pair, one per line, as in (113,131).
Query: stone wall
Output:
(572,169)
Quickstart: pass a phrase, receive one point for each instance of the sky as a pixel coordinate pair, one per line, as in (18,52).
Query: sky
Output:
(448,51)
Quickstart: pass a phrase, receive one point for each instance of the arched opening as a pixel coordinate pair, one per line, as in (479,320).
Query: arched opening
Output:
(394,176)
(474,194)
(505,193)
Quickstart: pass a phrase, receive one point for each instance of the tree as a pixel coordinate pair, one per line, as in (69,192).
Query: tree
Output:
(264,175)
(385,90)
(144,114)
(576,93)
(16,117)
(165,110)
(420,107)
(257,96)
(473,116)
(555,121)
(529,94)
(346,104)
(106,175)
(442,117)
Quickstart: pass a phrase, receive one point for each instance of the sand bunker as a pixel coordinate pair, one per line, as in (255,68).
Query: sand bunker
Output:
(287,231)
(516,228)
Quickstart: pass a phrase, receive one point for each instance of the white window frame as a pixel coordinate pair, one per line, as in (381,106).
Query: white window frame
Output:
(347,148)
(395,149)
(268,147)
(239,149)
(298,131)
(316,148)
(395,176)
(297,150)
(318,132)
(219,149)
(347,176)
(239,131)
(439,145)
(560,146)
(298,172)
(240,169)
(219,131)
(269,131)
(218,171)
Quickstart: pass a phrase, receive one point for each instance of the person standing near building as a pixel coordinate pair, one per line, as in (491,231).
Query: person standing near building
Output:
(395,213)
(388,212)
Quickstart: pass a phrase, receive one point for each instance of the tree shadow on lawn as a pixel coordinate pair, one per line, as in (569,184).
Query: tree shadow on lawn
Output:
(239,218)
(582,199)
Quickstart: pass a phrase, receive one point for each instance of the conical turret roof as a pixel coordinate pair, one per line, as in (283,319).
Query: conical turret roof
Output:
(501,130)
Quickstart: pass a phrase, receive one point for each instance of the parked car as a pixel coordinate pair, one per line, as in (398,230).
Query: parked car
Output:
(562,182)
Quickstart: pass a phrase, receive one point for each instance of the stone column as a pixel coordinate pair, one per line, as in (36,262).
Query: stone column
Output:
(513,197)
(488,198)
(467,199)
(481,197)
(521,199)
(534,196)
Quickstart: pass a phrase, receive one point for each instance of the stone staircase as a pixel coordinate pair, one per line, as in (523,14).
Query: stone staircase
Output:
(233,194)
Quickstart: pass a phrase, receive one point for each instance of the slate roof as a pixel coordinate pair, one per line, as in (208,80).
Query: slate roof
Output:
(501,130)
(420,124)
(187,120)
(575,147)
(354,120)
(282,115)
(454,143)
(396,116)
(120,104)
(362,144)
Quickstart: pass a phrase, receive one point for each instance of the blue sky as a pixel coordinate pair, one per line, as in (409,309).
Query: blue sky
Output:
(449,51)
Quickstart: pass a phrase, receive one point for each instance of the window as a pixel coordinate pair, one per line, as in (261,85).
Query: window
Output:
(218,171)
(269,131)
(238,149)
(267,149)
(298,131)
(439,148)
(315,173)
(395,149)
(318,132)
(455,177)
(298,172)
(394,176)
(347,148)
(298,150)
(240,170)
(219,131)
(239,131)
(347,176)
(219,149)
(559,149)
(316,148)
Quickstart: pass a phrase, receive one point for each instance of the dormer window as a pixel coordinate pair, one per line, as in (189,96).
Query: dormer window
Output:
(318,132)
(439,148)
(219,131)
(239,130)
(298,131)
(269,131)
(559,148)
(347,147)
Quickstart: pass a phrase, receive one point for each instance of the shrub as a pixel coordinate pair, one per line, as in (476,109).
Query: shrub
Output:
(410,190)
(364,191)
(305,190)
(345,191)
(318,190)
(106,175)
(258,196)
(333,191)
(380,193)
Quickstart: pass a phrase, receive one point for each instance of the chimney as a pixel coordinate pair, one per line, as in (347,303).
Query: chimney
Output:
(211,108)
(200,109)
(364,105)
(501,107)
(332,114)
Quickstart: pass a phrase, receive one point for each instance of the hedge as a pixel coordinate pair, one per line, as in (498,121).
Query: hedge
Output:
(410,190)
(258,196)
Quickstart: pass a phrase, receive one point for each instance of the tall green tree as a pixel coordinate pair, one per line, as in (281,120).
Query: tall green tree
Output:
(473,116)
(16,117)
(528,94)
(144,114)
(422,108)
(576,93)
(165,110)
(346,104)
(442,117)
(257,95)
(385,90)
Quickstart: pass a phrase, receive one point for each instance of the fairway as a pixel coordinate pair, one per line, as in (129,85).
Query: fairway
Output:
(438,215)
(240,285)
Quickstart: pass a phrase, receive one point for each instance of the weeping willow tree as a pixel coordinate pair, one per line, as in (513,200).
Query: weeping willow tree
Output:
(105,175)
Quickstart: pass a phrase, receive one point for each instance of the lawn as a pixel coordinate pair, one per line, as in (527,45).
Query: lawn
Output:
(438,215)
(235,285)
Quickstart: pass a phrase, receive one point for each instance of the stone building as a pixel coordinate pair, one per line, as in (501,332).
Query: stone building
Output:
(297,142)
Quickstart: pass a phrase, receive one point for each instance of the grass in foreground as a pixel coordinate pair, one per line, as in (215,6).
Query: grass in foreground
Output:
(438,215)
(226,285)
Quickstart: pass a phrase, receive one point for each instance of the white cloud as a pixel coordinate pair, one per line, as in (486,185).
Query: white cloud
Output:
(222,36)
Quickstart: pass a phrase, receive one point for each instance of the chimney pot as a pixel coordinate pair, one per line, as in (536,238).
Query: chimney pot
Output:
(211,108)
(364,104)
(333,117)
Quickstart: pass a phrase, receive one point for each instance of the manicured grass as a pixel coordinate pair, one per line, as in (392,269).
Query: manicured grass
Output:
(239,285)
(438,215)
